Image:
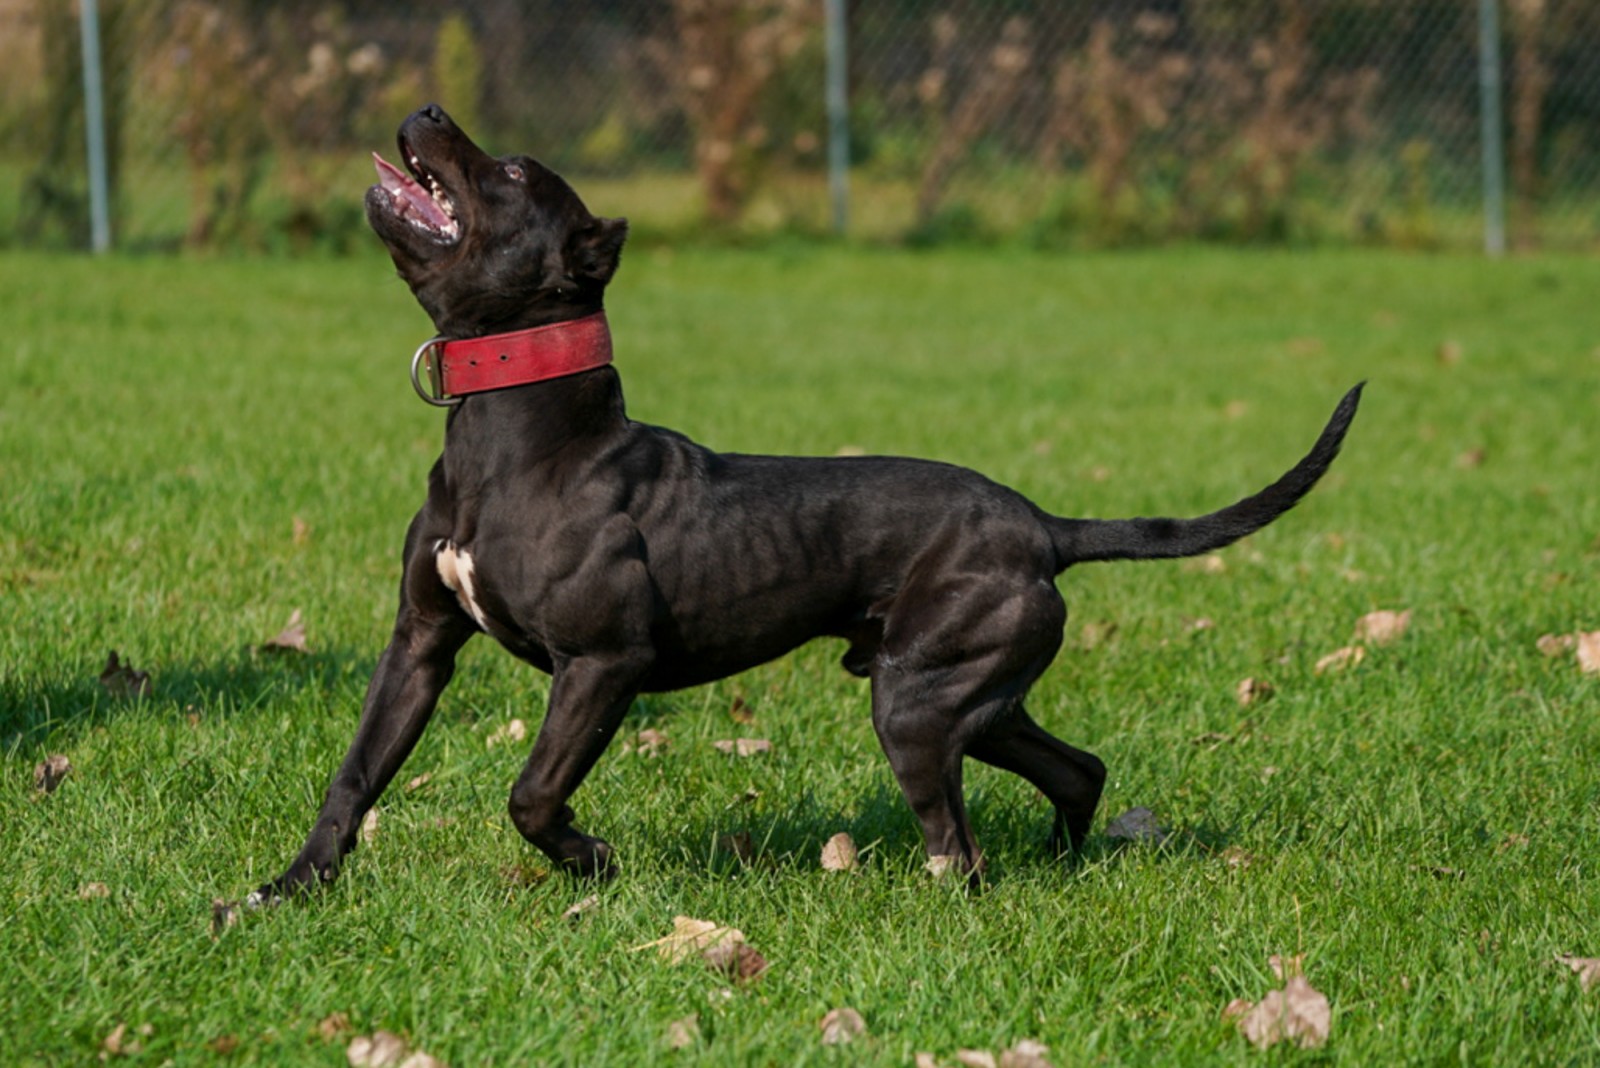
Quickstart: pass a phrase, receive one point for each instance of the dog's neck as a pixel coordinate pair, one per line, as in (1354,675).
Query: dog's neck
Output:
(465,366)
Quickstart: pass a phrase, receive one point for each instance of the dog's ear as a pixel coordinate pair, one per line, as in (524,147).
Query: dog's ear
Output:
(596,249)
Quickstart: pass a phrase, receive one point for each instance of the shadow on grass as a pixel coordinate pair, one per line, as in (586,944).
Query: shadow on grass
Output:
(59,710)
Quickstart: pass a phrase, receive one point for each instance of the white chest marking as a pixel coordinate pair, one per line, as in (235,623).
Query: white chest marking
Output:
(455,571)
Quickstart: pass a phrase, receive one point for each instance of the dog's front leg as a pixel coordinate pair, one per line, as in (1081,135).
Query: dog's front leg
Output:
(588,697)
(405,688)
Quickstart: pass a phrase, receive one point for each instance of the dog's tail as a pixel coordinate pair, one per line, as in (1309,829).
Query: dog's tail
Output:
(1083,540)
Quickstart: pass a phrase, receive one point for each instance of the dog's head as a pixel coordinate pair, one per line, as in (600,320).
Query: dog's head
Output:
(488,244)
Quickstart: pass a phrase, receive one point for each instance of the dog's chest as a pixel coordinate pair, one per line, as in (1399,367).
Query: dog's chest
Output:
(459,574)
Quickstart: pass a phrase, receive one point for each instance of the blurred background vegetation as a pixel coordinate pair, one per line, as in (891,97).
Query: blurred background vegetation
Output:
(240,124)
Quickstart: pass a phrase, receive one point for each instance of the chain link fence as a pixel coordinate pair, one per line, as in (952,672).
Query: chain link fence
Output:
(1094,123)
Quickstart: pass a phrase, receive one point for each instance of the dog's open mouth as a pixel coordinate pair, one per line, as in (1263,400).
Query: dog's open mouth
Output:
(420,201)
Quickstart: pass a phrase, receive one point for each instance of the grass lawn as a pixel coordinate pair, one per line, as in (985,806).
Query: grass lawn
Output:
(192,449)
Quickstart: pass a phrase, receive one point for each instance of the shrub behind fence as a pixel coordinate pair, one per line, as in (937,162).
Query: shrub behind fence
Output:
(1103,122)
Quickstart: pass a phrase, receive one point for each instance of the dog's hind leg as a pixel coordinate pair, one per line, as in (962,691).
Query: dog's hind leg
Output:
(957,656)
(1070,778)
(588,698)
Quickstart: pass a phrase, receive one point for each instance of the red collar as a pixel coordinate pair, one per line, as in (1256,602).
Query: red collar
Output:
(496,361)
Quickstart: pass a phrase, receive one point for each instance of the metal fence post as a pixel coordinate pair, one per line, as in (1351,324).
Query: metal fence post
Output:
(838,101)
(1493,148)
(94,121)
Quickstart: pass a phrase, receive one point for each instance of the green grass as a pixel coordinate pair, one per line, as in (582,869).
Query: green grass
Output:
(166,421)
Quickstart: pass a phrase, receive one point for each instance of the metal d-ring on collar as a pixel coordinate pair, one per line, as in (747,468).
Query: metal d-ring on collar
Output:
(432,349)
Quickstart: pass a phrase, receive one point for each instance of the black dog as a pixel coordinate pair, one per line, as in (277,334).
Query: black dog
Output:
(624,558)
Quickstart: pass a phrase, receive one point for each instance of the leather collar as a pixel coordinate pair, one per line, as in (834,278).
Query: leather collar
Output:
(498,361)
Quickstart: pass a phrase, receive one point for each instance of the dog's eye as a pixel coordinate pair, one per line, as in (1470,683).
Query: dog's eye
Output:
(514,172)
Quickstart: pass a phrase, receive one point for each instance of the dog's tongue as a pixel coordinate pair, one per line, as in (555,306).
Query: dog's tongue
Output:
(410,199)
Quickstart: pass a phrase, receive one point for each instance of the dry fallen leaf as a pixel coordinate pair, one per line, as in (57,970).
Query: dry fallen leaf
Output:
(1472,458)
(120,680)
(1251,691)
(90,891)
(382,1049)
(1236,857)
(1556,644)
(1382,627)
(1137,825)
(299,531)
(690,936)
(1209,564)
(1286,968)
(1589,652)
(925,1060)
(223,1045)
(842,1026)
(839,853)
(1096,633)
(419,782)
(976,1058)
(223,916)
(942,865)
(1340,659)
(683,1032)
(740,711)
(291,639)
(576,912)
(743,746)
(739,844)
(1586,968)
(369,827)
(738,960)
(515,731)
(333,1025)
(1297,1012)
(1025,1054)
(650,742)
(48,774)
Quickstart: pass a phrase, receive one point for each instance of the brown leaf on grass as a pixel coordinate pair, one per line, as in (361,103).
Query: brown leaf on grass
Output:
(381,1049)
(647,743)
(48,774)
(925,1060)
(1237,858)
(291,639)
(333,1025)
(1297,1013)
(683,1032)
(976,1058)
(738,960)
(369,827)
(224,915)
(223,1045)
(1138,824)
(515,731)
(1511,841)
(1095,633)
(299,531)
(743,746)
(1286,968)
(1554,645)
(90,891)
(942,865)
(1449,353)
(1340,659)
(1589,652)
(741,712)
(120,680)
(689,937)
(1587,969)
(1472,458)
(739,844)
(576,912)
(1252,691)
(1382,627)
(1209,564)
(839,853)
(842,1026)
(1026,1054)
(419,782)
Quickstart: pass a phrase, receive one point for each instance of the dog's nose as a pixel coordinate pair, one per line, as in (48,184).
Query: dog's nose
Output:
(433,113)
